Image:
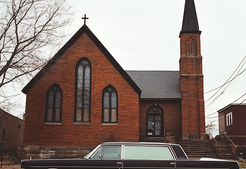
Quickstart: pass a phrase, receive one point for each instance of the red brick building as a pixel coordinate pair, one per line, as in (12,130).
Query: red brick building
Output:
(83,96)
(232,127)
(11,131)
(232,122)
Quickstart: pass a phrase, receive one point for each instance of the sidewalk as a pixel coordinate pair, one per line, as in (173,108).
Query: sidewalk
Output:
(17,166)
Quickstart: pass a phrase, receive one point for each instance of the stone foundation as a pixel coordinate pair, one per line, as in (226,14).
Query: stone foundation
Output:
(194,136)
(42,151)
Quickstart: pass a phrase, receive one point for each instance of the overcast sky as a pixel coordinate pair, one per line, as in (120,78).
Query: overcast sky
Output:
(144,35)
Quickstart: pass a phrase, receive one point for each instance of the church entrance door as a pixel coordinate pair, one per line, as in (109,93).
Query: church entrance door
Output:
(154,122)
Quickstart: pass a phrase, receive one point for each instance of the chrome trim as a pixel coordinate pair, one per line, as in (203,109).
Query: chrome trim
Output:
(126,167)
(122,152)
(173,152)
(55,167)
(88,156)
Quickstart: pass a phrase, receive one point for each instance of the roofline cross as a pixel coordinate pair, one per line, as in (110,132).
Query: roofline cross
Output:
(85,19)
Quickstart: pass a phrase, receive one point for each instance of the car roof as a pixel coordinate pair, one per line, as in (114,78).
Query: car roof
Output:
(137,143)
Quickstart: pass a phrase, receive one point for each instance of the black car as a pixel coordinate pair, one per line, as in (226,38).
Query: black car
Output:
(132,155)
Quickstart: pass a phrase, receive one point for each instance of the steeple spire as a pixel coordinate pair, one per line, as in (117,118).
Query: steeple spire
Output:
(190,22)
(191,76)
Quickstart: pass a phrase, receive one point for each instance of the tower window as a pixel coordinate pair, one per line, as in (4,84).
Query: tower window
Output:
(191,47)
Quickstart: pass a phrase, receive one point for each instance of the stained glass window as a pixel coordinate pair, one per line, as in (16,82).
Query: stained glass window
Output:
(110,105)
(53,104)
(83,91)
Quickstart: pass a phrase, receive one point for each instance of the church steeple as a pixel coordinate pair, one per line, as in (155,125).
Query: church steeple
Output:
(190,22)
(191,76)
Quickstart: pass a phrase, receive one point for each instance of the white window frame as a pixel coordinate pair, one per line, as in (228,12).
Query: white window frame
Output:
(229,120)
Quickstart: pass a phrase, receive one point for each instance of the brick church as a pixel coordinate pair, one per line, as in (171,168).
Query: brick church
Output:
(82,96)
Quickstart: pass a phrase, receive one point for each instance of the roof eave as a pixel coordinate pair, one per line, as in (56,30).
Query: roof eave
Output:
(165,99)
(190,31)
(229,106)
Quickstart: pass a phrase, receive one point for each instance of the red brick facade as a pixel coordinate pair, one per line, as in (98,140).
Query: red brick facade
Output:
(62,73)
(181,118)
(191,84)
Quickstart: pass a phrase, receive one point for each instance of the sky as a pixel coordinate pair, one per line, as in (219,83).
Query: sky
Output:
(144,35)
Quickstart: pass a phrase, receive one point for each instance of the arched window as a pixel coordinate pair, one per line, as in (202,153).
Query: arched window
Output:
(154,121)
(83,91)
(53,111)
(110,105)
(191,47)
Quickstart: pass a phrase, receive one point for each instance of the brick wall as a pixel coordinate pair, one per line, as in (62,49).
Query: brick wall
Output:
(191,85)
(62,73)
(13,127)
(44,151)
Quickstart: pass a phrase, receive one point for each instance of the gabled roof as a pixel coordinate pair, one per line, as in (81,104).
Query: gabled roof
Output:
(162,85)
(190,22)
(83,29)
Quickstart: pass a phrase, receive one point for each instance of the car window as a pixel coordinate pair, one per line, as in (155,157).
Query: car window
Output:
(148,152)
(179,152)
(107,152)
(96,154)
(110,152)
(89,155)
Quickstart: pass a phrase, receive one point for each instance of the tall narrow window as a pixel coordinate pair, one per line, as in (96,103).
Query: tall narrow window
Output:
(83,91)
(191,47)
(154,121)
(110,105)
(53,104)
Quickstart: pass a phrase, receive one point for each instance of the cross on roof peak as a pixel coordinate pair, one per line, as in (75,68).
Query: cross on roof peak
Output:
(85,19)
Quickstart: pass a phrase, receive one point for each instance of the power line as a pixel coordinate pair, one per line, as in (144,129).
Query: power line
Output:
(239,98)
(211,117)
(211,114)
(228,82)
(229,104)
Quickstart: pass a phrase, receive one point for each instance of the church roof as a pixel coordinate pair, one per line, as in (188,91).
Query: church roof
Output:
(157,84)
(190,22)
(52,61)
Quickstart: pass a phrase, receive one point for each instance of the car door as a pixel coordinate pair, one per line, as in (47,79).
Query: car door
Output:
(103,164)
(149,164)
(105,157)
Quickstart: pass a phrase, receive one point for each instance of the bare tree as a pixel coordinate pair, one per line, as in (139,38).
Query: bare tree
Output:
(28,28)
(210,126)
